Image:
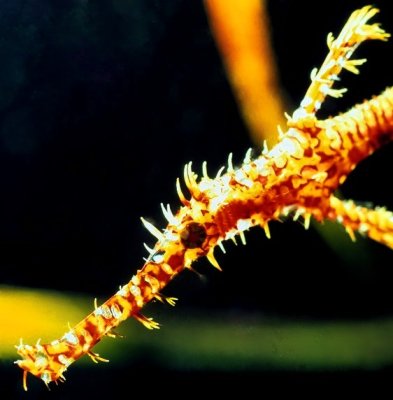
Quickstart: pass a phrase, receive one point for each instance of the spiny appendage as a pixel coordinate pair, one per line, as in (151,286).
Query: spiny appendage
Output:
(41,362)
(376,223)
(343,142)
(355,31)
(371,121)
(49,361)
(347,139)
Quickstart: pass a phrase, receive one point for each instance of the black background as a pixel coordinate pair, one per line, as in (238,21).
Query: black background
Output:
(101,105)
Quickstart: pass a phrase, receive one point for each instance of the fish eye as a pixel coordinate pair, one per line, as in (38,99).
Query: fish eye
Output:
(193,235)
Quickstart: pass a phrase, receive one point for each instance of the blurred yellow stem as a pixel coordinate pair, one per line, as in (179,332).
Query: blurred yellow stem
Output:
(32,314)
(241,31)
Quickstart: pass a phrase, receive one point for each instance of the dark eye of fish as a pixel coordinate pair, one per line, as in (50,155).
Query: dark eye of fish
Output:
(193,235)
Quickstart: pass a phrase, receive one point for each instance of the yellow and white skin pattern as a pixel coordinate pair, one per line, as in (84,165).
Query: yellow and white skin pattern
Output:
(297,178)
